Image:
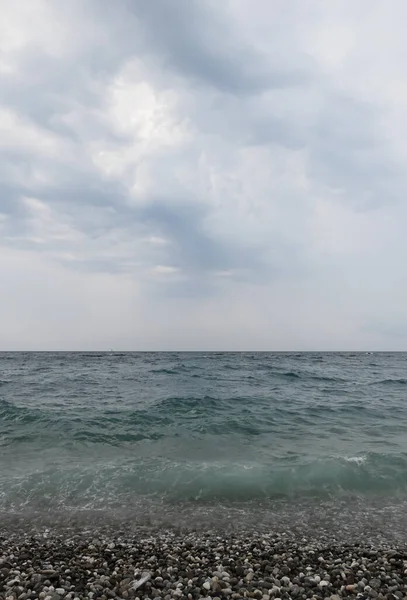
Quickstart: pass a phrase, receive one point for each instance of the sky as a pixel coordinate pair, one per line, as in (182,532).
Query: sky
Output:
(203,175)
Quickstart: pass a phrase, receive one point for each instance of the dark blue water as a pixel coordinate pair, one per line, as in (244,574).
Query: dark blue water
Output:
(174,432)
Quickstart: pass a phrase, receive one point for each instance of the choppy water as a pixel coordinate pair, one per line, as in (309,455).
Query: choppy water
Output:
(190,433)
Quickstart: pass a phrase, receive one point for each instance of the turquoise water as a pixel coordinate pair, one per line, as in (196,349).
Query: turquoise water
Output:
(132,431)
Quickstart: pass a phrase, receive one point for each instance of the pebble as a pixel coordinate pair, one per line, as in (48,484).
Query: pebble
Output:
(100,565)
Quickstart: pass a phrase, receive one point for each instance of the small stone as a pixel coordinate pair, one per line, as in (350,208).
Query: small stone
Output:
(207,586)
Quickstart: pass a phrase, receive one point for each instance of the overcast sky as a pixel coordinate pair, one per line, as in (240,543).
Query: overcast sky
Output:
(203,174)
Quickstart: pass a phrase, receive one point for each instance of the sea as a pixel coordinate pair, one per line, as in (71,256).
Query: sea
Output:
(299,441)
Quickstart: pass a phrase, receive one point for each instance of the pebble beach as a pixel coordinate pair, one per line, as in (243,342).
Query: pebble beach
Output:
(151,565)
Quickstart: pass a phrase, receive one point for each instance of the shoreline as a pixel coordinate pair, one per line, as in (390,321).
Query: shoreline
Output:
(338,520)
(95,563)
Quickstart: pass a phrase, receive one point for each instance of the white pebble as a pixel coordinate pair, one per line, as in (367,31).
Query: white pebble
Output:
(207,585)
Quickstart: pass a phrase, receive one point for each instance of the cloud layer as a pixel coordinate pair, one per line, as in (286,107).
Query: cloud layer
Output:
(179,174)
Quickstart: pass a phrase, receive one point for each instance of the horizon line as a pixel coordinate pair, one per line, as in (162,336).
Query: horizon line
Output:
(119,351)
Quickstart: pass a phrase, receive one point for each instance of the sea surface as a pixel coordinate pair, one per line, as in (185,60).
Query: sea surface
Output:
(283,439)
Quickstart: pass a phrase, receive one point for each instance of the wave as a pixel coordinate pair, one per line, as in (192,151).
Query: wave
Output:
(209,418)
(291,375)
(400,381)
(358,460)
(206,482)
(307,376)
(11,413)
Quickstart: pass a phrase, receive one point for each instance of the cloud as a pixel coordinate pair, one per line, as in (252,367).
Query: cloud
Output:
(206,175)
(200,42)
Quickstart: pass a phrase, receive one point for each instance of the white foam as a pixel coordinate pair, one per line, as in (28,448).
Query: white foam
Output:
(359,460)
